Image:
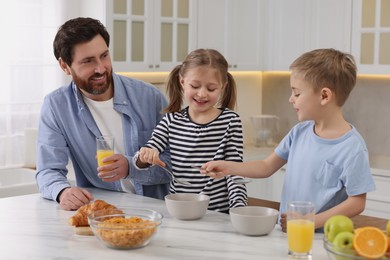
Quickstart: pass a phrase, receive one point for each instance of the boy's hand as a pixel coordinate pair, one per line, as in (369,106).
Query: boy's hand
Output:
(283,222)
(150,156)
(215,169)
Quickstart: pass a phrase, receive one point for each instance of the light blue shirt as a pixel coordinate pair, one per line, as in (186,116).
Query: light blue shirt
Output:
(324,171)
(67,128)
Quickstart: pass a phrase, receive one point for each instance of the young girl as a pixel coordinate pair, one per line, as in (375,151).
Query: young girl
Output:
(327,159)
(207,129)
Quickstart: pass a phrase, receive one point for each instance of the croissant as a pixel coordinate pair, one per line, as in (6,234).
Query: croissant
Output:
(80,217)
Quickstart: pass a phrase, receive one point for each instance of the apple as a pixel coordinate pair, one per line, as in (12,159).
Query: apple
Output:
(343,243)
(343,240)
(337,224)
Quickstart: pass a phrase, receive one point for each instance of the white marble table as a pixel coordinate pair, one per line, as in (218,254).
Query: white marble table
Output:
(35,228)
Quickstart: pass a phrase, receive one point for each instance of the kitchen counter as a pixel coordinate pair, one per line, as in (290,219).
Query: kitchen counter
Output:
(36,228)
(380,163)
(252,153)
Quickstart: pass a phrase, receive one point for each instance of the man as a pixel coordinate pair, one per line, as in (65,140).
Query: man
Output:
(96,102)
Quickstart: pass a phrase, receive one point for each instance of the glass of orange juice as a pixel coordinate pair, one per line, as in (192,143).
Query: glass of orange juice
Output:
(104,148)
(300,228)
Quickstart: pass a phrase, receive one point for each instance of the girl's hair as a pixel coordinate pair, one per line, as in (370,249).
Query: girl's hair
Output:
(197,58)
(328,68)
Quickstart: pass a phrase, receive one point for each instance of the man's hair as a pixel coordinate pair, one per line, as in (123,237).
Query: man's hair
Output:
(328,68)
(75,31)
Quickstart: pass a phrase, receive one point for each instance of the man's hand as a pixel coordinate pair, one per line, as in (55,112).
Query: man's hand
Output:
(116,170)
(73,198)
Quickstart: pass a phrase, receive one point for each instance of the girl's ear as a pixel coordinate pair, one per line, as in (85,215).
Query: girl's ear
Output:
(225,85)
(181,79)
(64,66)
(326,95)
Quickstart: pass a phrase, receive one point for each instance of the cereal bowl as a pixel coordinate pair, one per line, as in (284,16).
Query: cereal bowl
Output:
(187,206)
(125,228)
(253,220)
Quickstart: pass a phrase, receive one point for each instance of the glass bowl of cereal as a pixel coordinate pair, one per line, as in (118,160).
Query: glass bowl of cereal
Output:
(125,228)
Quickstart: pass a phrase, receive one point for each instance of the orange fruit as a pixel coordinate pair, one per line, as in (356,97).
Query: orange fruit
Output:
(357,230)
(370,242)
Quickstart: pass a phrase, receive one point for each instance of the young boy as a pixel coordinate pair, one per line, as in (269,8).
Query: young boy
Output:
(327,159)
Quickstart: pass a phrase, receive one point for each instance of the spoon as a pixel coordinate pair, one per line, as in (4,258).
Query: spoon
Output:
(178,180)
(239,181)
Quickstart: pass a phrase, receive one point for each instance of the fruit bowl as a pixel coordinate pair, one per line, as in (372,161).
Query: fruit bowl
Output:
(336,253)
(125,228)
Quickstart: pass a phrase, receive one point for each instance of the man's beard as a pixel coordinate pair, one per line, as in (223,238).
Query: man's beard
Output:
(93,88)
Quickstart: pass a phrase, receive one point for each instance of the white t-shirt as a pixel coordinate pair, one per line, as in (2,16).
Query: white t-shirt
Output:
(109,122)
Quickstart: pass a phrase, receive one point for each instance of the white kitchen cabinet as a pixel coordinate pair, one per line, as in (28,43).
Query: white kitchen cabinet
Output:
(371,36)
(234,28)
(378,201)
(313,24)
(268,188)
(244,36)
(150,35)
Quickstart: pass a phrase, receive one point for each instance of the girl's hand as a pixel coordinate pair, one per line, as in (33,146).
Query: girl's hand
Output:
(150,156)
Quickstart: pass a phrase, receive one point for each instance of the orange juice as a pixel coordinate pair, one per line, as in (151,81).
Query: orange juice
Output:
(101,154)
(300,235)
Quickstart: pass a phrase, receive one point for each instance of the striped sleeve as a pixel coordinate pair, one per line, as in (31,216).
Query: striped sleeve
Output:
(160,136)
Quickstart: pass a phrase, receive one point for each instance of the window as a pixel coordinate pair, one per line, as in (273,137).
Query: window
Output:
(28,68)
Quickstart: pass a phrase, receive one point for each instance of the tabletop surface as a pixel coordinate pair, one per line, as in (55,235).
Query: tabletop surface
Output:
(35,228)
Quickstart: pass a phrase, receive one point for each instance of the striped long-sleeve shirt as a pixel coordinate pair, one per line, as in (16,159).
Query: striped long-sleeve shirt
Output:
(195,144)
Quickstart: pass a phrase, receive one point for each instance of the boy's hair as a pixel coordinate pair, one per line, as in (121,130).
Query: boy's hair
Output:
(75,31)
(328,68)
(201,57)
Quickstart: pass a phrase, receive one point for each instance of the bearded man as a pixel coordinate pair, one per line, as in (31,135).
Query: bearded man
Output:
(96,102)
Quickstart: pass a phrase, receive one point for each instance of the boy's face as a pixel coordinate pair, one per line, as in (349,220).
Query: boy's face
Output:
(305,100)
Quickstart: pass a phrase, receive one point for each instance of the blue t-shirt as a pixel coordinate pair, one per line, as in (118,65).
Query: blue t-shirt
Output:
(324,171)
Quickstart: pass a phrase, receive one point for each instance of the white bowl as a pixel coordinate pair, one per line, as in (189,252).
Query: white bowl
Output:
(253,220)
(187,206)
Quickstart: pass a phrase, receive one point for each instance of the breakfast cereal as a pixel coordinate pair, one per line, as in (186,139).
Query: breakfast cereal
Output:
(120,232)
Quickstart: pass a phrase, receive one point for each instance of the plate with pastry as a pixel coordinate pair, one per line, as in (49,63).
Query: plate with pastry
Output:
(80,219)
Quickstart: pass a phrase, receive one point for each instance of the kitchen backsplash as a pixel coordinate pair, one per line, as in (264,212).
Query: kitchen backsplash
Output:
(367,108)
(248,98)
(268,92)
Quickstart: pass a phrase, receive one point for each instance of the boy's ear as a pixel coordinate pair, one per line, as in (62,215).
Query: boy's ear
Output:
(326,95)
(64,66)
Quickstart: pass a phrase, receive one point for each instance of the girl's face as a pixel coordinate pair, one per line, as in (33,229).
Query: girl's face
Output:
(202,88)
(305,100)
